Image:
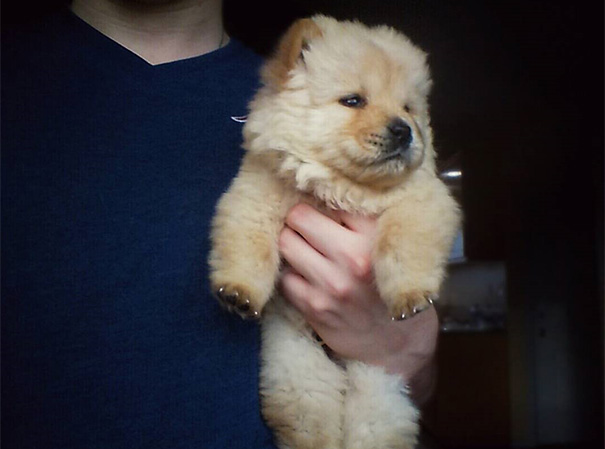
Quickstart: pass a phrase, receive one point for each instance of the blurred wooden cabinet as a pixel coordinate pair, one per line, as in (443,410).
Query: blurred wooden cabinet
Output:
(471,405)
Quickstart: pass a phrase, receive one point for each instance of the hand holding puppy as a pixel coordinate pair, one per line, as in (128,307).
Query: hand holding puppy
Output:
(330,282)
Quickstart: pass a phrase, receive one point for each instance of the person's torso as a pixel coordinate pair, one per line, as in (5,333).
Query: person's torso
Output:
(110,172)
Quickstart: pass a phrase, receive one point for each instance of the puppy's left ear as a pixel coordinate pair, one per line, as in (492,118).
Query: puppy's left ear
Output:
(289,51)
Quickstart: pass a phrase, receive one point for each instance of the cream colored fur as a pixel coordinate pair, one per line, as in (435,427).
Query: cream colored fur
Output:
(304,144)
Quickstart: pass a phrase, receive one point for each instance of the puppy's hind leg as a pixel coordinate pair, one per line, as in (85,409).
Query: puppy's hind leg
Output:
(378,411)
(302,390)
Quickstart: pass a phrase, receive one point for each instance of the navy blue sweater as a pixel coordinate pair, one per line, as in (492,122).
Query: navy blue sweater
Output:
(111,169)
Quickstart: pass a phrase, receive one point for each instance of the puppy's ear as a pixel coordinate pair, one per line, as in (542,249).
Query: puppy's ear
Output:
(290,51)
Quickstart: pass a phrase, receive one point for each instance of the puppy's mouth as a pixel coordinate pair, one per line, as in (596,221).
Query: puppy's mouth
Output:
(398,146)
(397,154)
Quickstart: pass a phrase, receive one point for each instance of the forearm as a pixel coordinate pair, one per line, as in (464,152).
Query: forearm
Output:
(422,386)
(414,356)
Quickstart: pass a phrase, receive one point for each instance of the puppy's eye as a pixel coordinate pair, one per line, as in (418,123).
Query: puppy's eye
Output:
(407,108)
(353,101)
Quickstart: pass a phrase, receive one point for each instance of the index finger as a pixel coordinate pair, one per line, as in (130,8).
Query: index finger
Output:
(334,241)
(319,230)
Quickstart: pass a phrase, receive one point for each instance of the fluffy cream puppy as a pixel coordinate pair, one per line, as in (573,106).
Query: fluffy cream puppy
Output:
(341,122)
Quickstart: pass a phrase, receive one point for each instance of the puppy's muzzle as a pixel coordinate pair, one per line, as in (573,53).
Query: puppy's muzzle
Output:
(401,133)
(400,137)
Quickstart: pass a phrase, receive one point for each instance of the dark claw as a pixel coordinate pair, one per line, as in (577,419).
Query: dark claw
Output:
(246,313)
(233,304)
(250,316)
(432,298)
(417,310)
(230,300)
(245,306)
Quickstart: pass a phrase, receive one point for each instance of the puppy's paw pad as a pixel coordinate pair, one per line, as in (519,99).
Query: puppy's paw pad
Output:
(412,303)
(238,300)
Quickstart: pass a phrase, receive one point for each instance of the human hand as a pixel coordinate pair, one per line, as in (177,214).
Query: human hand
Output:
(330,282)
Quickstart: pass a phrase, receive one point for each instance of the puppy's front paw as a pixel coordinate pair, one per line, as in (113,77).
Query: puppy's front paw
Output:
(411,303)
(240,300)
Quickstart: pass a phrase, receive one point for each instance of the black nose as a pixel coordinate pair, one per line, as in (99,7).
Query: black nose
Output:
(401,131)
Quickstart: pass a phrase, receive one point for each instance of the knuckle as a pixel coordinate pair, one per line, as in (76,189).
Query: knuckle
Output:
(361,266)
(340,290)
(318,310)
(358,262)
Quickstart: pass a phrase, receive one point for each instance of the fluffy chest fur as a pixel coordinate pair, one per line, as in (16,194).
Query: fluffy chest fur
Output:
(313,182)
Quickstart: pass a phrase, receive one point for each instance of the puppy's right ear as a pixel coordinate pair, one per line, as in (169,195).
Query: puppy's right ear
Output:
(289,51)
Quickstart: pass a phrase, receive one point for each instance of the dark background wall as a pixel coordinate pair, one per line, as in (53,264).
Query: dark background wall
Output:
(518,97)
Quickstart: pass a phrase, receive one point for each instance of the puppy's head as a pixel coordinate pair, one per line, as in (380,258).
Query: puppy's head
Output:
(347,97)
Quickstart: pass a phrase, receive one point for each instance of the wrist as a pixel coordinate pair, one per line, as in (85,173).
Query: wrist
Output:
(410,352)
